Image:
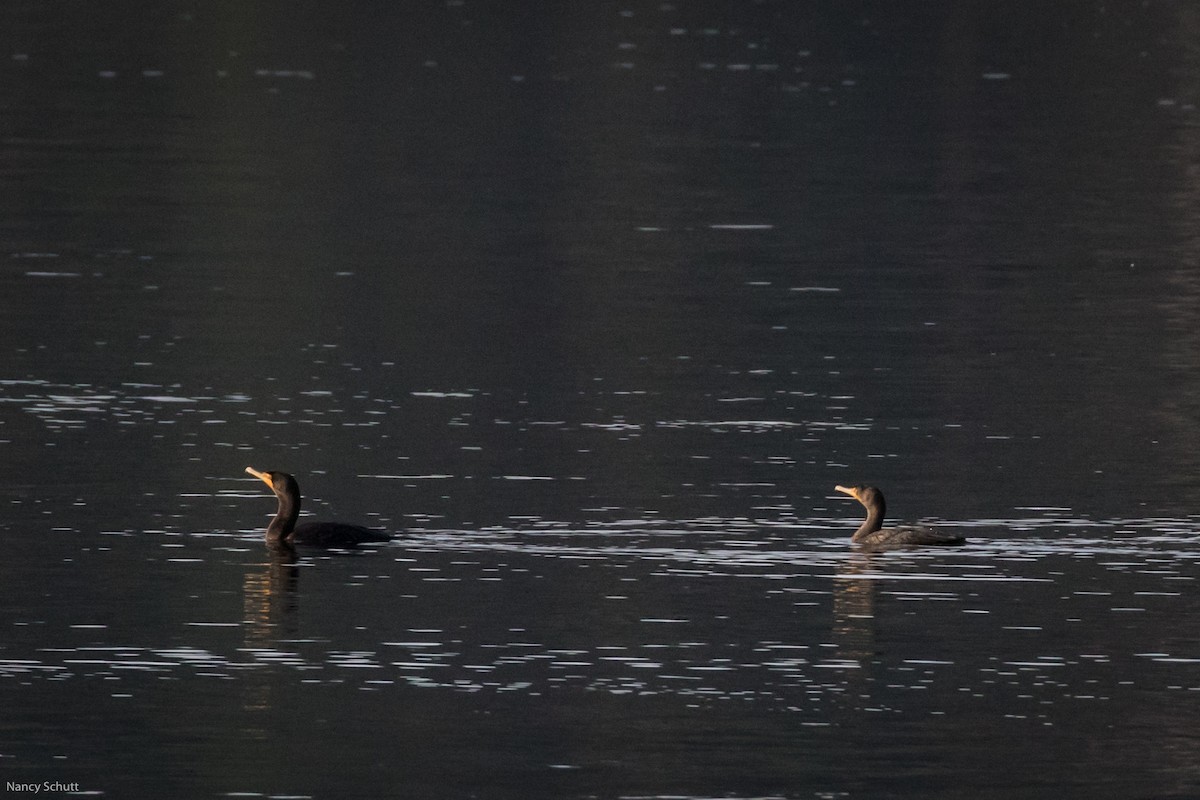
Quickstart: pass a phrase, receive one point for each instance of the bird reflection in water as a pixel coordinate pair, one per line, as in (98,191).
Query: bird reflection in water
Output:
(269,611)
(854,631)
(854,610)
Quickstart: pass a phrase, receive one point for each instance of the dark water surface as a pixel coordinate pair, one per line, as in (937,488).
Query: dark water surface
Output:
(592,306)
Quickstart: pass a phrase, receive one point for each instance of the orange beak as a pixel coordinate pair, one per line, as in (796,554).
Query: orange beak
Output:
(262,476)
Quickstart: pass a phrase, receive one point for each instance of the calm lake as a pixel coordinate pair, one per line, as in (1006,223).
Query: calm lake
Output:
(590,306)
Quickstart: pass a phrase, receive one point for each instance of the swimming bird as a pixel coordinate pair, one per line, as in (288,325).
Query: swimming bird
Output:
(872,533)
(283,530)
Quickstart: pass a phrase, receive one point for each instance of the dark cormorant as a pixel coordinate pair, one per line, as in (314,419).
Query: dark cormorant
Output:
(872,533)
(283,530)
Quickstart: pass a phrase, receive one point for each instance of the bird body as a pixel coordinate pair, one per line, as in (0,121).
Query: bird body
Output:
(283,530)
(872,533)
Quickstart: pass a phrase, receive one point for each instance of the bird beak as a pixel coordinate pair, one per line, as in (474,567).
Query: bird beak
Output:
(846,490)
(262,476)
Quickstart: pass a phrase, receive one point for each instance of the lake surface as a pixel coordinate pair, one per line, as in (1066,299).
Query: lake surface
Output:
(591,307)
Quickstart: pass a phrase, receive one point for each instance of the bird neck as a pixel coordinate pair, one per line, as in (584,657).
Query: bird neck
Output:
(872,523)
(285,518)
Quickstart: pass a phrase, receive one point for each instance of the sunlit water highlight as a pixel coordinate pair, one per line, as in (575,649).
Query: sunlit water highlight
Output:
(705,611)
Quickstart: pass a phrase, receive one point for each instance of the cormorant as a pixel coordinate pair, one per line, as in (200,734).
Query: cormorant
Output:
(283,530)
(872,533)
